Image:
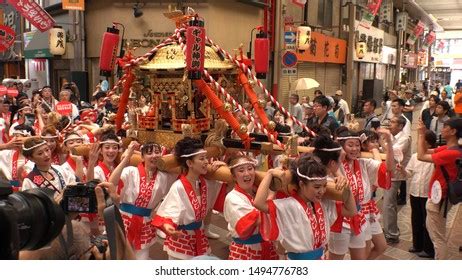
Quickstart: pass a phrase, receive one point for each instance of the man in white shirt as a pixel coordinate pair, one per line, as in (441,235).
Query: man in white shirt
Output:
(401,142)
(342,103)
(397,107)
(296,110)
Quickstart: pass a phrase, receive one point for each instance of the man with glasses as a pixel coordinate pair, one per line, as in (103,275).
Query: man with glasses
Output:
(320,107)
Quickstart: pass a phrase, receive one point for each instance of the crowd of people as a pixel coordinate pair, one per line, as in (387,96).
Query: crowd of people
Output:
(40,136)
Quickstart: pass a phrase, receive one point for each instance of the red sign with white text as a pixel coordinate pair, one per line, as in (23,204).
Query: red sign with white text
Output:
(6,37)
(35,14)
(64,108)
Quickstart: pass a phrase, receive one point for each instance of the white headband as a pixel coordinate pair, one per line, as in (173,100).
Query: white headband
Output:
(201,151)
(49,136)
(331,149)
(33,147)
(362,137)
(310,178)
(73,137)
(251,162)
(348,137)
(110,141)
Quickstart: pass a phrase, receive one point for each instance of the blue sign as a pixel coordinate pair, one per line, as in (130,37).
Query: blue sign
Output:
(289,59)
(290,37)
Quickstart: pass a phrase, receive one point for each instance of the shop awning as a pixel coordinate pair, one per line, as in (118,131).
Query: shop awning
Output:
(36,45)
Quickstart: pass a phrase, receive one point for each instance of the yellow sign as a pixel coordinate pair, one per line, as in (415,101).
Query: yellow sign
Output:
(74,5)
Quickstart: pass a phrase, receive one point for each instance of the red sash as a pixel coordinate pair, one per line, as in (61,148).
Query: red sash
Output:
(144,196)
(355,179)
(106,171)
(266,246)
(318,225)
(14,167)
(200,209)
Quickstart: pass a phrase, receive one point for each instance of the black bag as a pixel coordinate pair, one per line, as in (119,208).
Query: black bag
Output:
(455,186)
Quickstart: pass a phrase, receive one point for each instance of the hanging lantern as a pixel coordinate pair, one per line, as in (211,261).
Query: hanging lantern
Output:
(195,48)
(361,49)
(429,39)
(303,38)
(261,55)
(108,53)
(57,40)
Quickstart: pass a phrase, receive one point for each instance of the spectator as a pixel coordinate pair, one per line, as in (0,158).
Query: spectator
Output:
(296,111)
(444,156)
(409,105)
(419,173)
(441,116)
(369,111)
(341,102)
(445,97)
(448,88)
(48,98)
(308,112)
(458,103)
(401,141)
(317,93)
(387,113)
(428,113)
(269,109)
(321,106)
(458,85)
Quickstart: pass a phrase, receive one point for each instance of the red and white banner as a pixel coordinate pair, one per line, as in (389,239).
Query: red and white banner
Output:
(373,7)
(35,14)
(418,30)
(6,37)
(430,38)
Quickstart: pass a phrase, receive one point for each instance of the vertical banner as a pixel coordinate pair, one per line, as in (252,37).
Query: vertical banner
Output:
(373,7)
(6,37)
(35,14)
(429,39)
(78,5)
(418,30)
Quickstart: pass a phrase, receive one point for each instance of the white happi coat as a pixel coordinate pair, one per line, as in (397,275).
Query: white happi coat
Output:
(69,179)
(293,228)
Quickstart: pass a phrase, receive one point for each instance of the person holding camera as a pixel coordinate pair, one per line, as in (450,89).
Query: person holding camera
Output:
(44,174)
(181,215)
(143,187)
(25,116)
(443,157)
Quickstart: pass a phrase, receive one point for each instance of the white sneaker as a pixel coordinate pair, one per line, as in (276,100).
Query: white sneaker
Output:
(161,234)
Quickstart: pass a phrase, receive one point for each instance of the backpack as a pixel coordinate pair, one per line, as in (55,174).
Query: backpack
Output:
(454,187)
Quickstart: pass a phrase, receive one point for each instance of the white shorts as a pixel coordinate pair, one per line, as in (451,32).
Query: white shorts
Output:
(339,243)
(372,229)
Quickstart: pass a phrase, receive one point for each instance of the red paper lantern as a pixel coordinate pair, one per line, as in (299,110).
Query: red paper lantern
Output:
(195,48)
(261,54)
(108,53)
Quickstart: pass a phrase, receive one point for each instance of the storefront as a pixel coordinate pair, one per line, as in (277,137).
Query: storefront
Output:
(409,65)
(227,23)
(12,65)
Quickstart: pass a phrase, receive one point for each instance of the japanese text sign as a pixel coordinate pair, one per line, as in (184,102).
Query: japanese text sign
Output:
(35,14)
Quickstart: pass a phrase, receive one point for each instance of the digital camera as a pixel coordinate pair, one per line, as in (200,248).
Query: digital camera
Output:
(81,197)
(29,220)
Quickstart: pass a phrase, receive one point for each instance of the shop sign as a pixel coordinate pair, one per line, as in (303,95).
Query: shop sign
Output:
(373,7)
(373,37)
(11,19)
(35,14)
(6,37)
(292,71)
(418,30)
(422,59)
(324,49)
(409,60)
(78,5)
(150,39)
(388,55)
(300,3)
